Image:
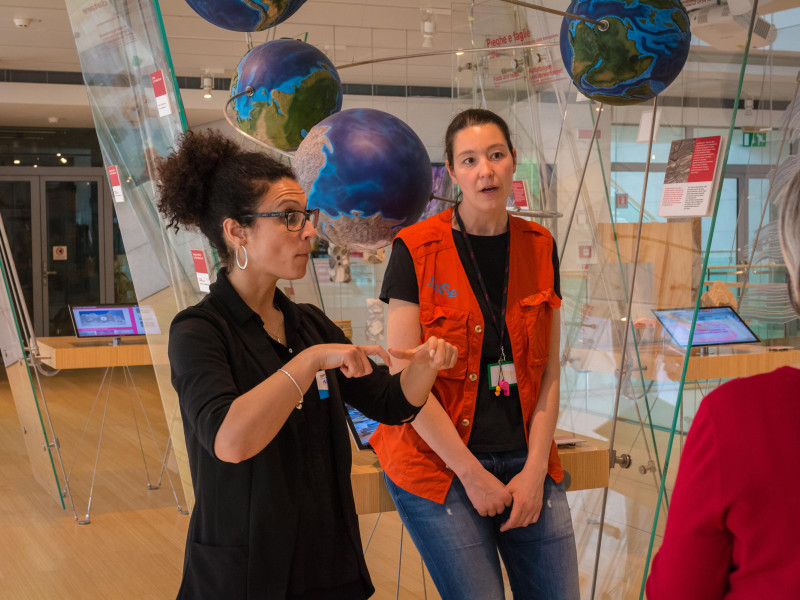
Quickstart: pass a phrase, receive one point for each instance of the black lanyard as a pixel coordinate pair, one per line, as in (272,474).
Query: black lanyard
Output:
(500,325)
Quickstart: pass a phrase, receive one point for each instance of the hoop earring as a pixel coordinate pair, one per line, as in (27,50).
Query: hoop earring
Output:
(238,264)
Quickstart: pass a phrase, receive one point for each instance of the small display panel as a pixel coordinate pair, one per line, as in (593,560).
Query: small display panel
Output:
(112,320)
(716,326)
(361,427)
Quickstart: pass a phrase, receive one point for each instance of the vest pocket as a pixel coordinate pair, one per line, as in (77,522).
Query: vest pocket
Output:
(537,321)
(449,324)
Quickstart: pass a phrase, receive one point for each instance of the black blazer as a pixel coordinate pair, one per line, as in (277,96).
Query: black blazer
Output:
(242,532)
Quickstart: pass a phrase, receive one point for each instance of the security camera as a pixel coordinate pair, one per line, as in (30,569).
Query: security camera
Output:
(22,22)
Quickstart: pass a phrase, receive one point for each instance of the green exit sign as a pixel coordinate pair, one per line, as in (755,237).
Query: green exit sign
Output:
(756,139)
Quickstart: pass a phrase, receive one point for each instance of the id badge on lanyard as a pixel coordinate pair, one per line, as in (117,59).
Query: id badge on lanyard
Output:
(502,375)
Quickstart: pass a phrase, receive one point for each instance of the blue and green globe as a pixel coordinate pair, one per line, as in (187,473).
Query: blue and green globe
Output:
(641,52)
(295,87)
(368,173)
(245,15)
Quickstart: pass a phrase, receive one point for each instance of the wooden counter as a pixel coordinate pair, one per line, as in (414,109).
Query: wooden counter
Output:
(668,365)
(89,353)
(587,464)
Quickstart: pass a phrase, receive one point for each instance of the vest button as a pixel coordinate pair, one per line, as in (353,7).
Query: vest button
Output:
(465,422)
(478,328)
(473,376)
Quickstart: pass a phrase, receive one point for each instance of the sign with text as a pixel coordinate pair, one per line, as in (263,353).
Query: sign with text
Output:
(199,260)
(160,91)
(116,186)
(519,192)
(542,69)
(690,180)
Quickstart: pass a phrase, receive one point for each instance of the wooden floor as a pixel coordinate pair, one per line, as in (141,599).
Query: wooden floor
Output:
(133,547)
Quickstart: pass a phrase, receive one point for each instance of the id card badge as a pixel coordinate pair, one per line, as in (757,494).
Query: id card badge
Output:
(498,383)
(322,384)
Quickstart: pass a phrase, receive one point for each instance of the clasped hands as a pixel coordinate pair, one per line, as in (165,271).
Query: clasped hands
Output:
(434,353)
(524,494)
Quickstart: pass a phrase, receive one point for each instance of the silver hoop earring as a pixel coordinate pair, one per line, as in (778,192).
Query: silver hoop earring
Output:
(238,264)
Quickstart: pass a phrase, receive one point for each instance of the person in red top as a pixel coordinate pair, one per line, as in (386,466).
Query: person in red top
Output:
(477,472)
(730,531)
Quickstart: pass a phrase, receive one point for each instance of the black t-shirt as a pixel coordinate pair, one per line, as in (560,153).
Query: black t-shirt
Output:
(497,425)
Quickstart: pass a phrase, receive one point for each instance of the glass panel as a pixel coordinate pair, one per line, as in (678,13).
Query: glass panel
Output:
(15,208)
(123,282)
(27,402)
(122,49)
(71,250)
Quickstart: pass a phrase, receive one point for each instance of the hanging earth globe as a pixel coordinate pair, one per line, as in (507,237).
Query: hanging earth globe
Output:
(245,15)
(294,86)
(368,173)
(640,52)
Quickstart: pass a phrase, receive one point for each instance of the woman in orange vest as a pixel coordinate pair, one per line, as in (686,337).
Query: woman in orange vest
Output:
(478,472)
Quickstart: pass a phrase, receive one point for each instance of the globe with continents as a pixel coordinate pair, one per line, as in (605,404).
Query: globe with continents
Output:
(635,58)
(368,173)
(245,15)
(294,85)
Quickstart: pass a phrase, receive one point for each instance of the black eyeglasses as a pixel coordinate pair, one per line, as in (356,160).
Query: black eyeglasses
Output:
(295,219)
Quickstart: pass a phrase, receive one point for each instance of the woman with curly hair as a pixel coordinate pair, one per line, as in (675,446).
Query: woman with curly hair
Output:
(261,383)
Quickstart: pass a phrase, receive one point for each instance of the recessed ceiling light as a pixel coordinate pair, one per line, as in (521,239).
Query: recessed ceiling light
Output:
(16,161)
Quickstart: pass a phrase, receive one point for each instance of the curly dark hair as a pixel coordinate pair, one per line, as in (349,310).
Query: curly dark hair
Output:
(208,179)
(469,118)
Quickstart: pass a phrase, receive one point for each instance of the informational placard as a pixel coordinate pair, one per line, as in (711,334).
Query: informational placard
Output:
(691,177)
(116,186)
(621,200)
(544,66)
(200,267)
(519,192)
(160,91)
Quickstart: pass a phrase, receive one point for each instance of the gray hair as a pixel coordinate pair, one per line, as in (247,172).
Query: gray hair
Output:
(789,232)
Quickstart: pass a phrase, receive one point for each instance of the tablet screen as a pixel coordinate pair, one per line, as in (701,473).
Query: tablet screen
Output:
(112,320)
(717,325)
(361,427)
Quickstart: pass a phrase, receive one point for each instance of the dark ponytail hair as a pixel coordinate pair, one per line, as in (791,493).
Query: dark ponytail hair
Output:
(470,118)
(209,179)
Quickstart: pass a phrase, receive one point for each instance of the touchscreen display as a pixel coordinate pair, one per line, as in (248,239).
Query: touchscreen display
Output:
(361,427)
(112,320)
(715,326)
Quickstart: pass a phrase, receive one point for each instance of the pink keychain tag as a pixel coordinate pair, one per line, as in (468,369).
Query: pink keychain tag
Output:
(503,384)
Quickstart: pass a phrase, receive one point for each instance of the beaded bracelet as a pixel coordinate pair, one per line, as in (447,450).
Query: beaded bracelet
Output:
(299,404)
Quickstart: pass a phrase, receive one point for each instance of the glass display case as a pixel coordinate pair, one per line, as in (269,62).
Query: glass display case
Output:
(596,175)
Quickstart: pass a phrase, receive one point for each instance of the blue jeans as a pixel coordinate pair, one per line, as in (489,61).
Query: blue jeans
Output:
(460,547)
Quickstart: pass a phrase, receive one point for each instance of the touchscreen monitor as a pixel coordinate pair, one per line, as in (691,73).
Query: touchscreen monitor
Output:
(361,427)
(716,326)
(114,320)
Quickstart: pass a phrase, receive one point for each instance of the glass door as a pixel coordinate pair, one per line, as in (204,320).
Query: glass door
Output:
(18,202)
(71,248)
(60,225)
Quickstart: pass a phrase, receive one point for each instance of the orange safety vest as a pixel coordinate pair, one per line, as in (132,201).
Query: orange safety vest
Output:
(448,309)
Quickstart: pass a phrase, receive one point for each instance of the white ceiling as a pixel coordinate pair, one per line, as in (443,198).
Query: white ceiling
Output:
(347,31)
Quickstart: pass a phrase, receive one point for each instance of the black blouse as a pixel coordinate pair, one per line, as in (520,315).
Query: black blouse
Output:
(281,524)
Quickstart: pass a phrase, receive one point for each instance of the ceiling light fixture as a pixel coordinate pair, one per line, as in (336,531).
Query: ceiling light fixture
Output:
(208,85)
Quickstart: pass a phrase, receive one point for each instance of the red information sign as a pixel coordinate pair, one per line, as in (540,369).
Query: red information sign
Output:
(199,260)
(160,91)
(116,186)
